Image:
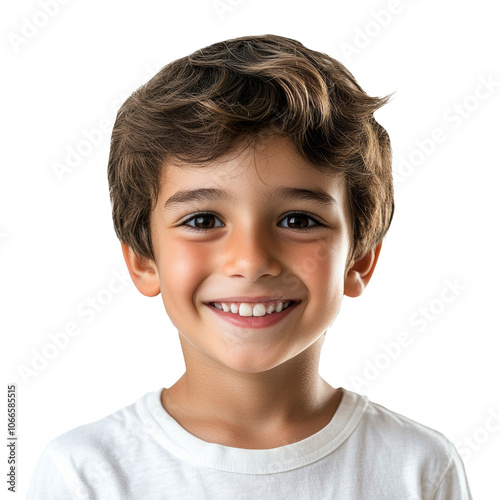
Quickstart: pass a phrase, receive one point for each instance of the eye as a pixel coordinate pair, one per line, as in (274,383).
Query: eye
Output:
(297,220)
(300,219)
(204,219)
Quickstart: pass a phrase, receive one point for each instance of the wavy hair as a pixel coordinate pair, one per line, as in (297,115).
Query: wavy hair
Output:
(202,106)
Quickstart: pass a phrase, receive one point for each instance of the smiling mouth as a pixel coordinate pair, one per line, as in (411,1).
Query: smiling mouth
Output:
(253,309)
(262,320)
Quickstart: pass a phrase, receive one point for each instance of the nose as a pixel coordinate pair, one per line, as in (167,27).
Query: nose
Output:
(251,252)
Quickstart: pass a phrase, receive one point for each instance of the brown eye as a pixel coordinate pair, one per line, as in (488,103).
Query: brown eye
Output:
(300,221)
(202,222)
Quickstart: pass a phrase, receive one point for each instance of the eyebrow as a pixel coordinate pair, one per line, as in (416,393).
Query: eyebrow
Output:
(277,194)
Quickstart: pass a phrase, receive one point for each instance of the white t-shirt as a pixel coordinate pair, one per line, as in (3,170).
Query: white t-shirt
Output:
(141,452)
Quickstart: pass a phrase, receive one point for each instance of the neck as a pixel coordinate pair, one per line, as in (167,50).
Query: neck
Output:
(214,402)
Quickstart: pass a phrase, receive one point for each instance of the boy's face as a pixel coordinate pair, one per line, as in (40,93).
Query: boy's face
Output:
(253,246)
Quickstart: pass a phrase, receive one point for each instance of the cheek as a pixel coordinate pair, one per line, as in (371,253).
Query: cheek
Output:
(321,263)
(321,270)
(182,268)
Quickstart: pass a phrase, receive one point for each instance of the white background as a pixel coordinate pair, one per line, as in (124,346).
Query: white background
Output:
(58,247)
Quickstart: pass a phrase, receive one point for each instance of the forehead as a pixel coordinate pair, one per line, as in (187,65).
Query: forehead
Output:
(268,170)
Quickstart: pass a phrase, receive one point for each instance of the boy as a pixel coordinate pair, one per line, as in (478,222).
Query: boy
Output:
(213,162)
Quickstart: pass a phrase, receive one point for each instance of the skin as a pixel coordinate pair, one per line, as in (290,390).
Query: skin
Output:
(244,387)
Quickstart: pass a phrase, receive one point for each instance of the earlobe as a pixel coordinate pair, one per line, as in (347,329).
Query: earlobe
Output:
(360,272)
(143,272)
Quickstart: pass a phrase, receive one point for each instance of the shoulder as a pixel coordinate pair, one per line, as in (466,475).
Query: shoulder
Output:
(411,449)
(89,453)
(108,432)
(392,431)
(101,441)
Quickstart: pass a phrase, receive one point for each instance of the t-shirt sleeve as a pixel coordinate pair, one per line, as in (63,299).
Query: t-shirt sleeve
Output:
(454,484)
(51,479)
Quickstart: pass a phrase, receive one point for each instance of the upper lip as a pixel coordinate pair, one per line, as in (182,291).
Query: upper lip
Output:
(261,298)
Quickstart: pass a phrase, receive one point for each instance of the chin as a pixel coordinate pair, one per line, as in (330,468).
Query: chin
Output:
(251,365)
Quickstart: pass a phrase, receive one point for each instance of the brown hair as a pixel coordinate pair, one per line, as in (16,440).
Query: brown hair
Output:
(200,107)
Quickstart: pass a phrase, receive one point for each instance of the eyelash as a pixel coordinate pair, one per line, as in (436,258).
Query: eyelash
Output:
(204,230)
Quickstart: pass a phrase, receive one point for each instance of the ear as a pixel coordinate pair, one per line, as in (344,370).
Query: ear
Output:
(143,272)
(360,272)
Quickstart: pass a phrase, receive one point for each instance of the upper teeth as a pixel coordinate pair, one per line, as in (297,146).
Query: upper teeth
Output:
(246,309)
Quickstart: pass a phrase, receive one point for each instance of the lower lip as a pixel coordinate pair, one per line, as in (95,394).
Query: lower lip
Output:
(254,321)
